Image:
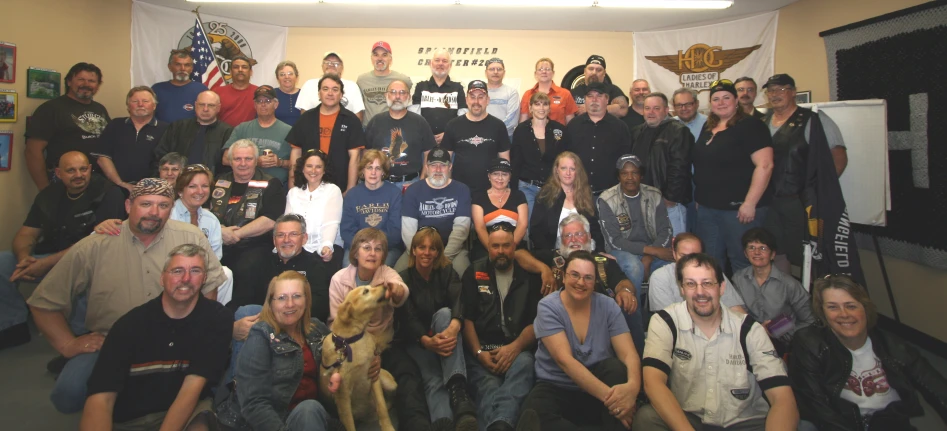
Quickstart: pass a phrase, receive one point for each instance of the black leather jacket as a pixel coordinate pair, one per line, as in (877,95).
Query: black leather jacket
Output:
(481,302)
(790,153)
(820,366)
(413,319)
(180,135)
(668,159)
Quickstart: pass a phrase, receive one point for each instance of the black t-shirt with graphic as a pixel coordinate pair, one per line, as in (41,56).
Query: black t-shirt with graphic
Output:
(67,125)
(475,144)
(404,141)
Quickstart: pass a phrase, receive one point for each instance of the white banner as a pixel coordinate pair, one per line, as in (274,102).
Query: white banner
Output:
(695,57)
(156,30)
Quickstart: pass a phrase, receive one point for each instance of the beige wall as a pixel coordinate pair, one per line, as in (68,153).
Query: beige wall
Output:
(518,49)
(800,51)
(55,34)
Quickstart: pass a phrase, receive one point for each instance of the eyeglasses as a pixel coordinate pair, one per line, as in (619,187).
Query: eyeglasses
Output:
(721,82)
(263,101)
(581,235)
(575,276)
(504,226)
(544,69)
(762,249)
(196,167)
(179,272)
(285,74)
(291,235)
(285,298)
(170,169)
(684,105)
(398,92)
(779,90)
(495,69)
(332,63)
(691,285)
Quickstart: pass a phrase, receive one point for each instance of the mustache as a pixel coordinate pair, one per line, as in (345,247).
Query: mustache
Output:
(702,298)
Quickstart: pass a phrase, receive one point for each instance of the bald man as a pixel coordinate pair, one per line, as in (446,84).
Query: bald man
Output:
(201,139)
(62,214)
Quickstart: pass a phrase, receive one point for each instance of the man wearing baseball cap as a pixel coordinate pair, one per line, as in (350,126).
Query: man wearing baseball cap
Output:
(476,138)
(439,99)
(598,138)
(595,72)
(441,203)
(105,276)
(636,230)
(267,132)
(351,100)
(374,83)
(792,132)
(504,99)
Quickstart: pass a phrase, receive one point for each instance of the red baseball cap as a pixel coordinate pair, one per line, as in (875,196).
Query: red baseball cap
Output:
(383,45)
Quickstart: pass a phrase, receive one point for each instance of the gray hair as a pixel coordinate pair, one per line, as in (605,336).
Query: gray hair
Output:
(290,218)
(285,63)
(441,51)
(576,218)
(173,159)
(241,144)
(187,250)
(683,90)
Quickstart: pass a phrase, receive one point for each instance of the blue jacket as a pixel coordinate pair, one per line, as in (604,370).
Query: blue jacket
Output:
(267,374)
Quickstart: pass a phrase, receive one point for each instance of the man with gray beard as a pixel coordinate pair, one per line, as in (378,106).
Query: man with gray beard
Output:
(440,203)
(404,136)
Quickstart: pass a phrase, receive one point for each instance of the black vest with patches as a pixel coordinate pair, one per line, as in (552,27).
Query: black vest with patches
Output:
(250,205)
(790,152)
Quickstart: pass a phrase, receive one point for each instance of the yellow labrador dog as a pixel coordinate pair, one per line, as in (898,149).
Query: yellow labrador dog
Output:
(348,351)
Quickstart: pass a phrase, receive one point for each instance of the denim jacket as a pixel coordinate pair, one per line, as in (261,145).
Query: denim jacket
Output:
(267,374)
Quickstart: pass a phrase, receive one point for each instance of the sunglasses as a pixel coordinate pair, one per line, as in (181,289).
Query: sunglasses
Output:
(721,82)
(315,151)
(196,167)
(504,226)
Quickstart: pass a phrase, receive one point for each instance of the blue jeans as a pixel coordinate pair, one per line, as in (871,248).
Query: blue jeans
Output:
(633,268)
(692,217)
(308,415)
(243,311)
(437,370)
(721,233)
(499,398)
(13,310)
(404,184)
(678,216)
(531,192)
(69,392)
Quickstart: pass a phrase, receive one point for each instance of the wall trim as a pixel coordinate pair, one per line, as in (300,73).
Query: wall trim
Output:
(914,336)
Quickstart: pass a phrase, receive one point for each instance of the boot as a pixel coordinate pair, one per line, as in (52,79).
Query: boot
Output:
(465,412)
(529,421)
(500,426)
(442,424)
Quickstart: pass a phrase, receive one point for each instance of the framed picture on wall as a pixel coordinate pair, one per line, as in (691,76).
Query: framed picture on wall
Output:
(803,97)
(7,62)
(8,106)
(42,83)
(6,149)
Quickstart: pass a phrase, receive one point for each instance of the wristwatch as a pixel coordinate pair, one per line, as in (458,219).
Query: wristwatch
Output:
(479,351)
(628,290)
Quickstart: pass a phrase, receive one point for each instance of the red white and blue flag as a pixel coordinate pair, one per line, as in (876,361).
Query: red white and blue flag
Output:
(206,69)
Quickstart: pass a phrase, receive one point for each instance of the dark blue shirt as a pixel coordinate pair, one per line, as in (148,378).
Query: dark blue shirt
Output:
(131,150)
(287,111)
(381,208)
(176,103)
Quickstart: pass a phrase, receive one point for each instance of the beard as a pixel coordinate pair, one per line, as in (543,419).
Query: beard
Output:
(149,230)
(502,262)
(181,77)
(436,181)
(396,105)
(565,250)
(701,313)
(287,252)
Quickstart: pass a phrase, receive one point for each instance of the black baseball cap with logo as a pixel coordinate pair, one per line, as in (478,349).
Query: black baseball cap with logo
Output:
(264,91)
(780,79)
(596,59)
(500,164)
(476,84)
(598,87)
(438,155)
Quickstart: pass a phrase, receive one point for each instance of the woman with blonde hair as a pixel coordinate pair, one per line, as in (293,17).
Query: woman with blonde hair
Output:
(847,375)
(565,192)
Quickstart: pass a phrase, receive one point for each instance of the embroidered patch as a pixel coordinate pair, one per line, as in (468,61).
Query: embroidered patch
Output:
(222,183)
(559,261)
(218,193)
(624,222)
(740,394)
(682,354)
(373,219)
(480,275)
(484,289)
(772,353)
(258,184)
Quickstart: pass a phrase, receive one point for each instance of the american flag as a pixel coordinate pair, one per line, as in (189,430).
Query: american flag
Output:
(206,69)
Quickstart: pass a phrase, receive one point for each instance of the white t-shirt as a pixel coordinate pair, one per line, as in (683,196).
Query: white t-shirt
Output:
(868,386)
(351,97)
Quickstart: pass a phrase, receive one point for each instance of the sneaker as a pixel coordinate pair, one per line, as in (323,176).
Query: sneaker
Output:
(443,424)
(15,335)
(465,412)
(56,364)
(529,421)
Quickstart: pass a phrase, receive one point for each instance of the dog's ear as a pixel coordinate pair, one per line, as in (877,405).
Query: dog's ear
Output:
(345,313)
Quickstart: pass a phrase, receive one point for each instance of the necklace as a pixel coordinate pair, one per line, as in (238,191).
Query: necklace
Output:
(75,198)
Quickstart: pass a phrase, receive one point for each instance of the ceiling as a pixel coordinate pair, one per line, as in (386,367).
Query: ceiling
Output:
(475,17)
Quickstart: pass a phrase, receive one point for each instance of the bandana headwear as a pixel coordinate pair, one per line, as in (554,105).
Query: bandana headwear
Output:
(152,186)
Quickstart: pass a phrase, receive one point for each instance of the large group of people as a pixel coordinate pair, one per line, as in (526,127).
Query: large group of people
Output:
(192,256)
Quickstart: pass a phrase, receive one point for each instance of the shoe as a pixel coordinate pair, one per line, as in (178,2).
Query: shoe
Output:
(442,424)
(529,421)
(500,426)
(15,335)
(465,412)
(56,364)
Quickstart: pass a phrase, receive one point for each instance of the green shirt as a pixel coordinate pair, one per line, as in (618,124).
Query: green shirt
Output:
(269,138)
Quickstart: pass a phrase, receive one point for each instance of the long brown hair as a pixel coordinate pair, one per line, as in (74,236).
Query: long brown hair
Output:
(581,190)
(431,234)
(305,323)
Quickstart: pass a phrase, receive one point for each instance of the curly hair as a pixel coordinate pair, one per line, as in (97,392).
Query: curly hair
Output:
(581,188)
(299,178)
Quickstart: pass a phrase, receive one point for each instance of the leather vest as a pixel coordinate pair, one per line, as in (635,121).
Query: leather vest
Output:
(85,220)
(250,205)
(650,198)
(790,152)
